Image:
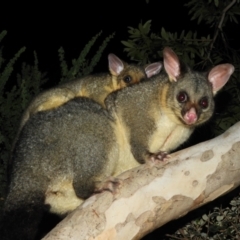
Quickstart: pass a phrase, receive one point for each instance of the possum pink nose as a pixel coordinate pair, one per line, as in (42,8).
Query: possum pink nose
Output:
(191,116)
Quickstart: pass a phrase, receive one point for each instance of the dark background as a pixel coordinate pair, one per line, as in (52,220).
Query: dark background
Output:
(47,27)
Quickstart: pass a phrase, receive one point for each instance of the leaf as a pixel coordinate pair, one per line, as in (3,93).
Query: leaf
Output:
(189,35)
(220,218)
(164,34)
(205,217)
(216,2)
(3,34)
(147,26)
(127,44)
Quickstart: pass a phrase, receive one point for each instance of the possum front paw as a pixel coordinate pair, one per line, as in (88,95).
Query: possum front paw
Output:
(159,157)
(111,184)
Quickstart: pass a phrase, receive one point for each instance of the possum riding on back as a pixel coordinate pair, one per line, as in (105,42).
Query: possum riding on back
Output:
(96,86)
(64,155)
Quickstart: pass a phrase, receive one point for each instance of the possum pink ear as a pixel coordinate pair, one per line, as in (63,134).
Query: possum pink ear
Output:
(153,69)
(115,64)
(219,76)
(171,63)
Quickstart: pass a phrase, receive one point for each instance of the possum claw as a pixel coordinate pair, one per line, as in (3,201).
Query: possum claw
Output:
(159,157)
(111,184)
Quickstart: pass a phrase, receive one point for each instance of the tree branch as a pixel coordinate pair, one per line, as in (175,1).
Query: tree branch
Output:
(151,196)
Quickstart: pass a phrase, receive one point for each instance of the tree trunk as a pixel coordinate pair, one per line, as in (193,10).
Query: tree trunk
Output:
(151,196)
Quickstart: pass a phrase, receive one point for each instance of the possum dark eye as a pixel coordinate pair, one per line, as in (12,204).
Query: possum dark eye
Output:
(203,102)
(182,97)
(127,79)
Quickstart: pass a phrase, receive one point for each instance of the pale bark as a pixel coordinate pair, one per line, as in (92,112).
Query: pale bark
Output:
(151,196)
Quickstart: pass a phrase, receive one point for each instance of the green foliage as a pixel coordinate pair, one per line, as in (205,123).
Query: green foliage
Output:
(82,66)
(144,46)
(221,223)
(140,47)
(6,71)
(14,97)
(6,98)
(201,12)
(201,52)
(29,81)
